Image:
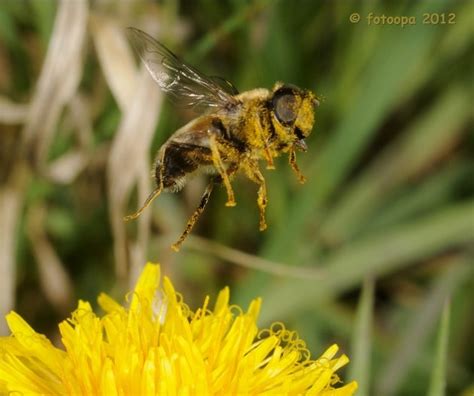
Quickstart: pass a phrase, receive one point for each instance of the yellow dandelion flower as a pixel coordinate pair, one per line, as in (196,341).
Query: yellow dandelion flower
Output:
(158,346)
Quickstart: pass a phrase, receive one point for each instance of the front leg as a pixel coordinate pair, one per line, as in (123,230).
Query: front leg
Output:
(260,133)
(294,166)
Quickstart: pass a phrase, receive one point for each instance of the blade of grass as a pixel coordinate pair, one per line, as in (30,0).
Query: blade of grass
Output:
(375,254)
(434,192)
(362,339)
(416,150)
(410,344)
(363,41)
(80,112)
(453,43)
(337,317)
(66,168)
(129,161)
(11,202)
(250,261)
(139,246)
(438,374)
(54,280)
(59,77)
(228,26)
(115,57)
(12,113)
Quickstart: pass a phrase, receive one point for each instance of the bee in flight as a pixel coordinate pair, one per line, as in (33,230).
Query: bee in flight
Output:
(234,132)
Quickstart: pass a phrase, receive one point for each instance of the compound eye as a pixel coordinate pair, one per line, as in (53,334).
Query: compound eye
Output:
(284,105)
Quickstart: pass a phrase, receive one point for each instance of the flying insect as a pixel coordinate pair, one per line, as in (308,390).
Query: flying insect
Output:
(234,132)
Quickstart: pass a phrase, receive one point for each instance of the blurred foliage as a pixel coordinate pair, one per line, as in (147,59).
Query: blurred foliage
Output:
(389,197)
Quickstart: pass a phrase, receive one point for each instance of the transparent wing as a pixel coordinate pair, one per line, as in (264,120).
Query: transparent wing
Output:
(180,80)
(224,84)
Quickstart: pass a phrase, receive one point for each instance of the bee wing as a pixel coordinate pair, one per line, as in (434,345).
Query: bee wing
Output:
(224,84)
(180,80)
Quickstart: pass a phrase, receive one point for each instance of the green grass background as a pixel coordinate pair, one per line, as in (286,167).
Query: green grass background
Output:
(365,254)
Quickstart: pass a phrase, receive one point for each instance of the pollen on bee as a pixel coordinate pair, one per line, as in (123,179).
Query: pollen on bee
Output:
(306,116)
(235,131)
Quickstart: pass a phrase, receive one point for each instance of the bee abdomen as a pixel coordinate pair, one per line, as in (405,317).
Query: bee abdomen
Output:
(180,160)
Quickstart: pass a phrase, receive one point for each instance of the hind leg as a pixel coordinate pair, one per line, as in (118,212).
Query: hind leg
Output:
(151,197)
(254,174)
(195,216)
(157,191)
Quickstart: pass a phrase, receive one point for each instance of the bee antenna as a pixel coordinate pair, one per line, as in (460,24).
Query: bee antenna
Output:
(148,201)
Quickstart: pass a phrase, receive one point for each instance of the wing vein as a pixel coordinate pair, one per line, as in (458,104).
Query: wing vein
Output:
(180,80)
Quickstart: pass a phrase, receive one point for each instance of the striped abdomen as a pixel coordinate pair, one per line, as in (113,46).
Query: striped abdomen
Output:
(180,159)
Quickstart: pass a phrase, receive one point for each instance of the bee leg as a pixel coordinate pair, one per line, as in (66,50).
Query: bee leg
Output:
(269,158)
(256,176)
(294,166)
(217,160)
(260,134)
(195,216)
(157,191)
(151,197)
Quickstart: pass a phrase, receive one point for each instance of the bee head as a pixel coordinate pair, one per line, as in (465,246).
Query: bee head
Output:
(293,109)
